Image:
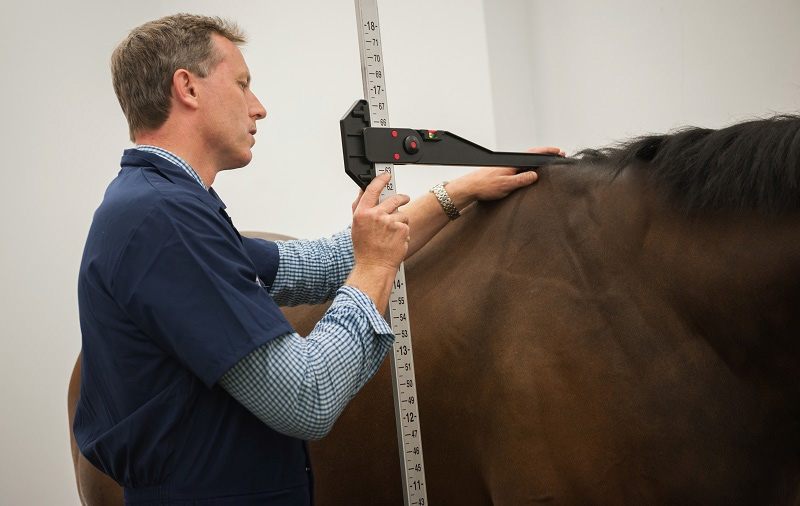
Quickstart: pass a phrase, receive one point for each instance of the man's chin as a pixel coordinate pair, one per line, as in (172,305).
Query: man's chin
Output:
(244,159)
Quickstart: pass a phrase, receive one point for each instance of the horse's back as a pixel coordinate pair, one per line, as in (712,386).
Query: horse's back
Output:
(554,364)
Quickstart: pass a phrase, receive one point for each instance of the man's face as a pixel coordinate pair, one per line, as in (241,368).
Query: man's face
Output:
(229,109)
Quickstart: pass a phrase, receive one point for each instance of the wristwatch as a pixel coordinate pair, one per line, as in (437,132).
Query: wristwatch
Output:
(444,199)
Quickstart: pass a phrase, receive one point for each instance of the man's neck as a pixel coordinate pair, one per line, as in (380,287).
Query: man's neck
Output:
(176,144)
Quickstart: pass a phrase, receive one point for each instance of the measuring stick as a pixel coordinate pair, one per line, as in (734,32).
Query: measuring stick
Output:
(406,403)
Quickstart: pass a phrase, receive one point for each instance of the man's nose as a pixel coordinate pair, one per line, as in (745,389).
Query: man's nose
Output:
(257,110)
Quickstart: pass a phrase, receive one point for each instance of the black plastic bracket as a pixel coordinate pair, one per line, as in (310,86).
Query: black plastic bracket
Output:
(363,146)
(352,125)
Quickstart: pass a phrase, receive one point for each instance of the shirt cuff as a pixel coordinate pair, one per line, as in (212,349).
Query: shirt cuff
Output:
(367,307)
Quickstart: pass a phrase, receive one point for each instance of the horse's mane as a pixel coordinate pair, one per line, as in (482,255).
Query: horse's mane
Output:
(750,165)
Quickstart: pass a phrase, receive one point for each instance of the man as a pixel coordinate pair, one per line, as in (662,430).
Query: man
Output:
(194,387)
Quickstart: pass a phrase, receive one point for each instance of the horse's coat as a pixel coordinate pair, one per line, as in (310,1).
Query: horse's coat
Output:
(590,340)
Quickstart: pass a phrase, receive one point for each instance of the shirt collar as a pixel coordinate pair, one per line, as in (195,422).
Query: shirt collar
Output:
(174,159)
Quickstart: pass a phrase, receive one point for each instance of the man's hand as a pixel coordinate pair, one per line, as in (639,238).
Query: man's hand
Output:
(427,217)
(492,183)
(380,241)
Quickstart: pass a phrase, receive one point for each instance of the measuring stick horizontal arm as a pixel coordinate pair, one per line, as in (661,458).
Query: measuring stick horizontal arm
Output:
(364,146)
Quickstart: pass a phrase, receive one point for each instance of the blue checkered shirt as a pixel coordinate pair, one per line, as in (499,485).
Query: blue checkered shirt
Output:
(299,386)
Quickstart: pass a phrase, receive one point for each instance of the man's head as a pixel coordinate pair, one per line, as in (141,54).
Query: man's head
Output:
(183,76)
(143,65)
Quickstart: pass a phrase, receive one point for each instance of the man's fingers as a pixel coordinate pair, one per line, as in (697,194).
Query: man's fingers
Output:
(400,217)
(357,200)
(391,204)
(545,150)
(524,179)
(373,191)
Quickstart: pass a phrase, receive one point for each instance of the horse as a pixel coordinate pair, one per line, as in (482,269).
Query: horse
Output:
(623,331)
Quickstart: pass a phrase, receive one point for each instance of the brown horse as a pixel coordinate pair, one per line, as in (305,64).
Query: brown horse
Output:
(624,331)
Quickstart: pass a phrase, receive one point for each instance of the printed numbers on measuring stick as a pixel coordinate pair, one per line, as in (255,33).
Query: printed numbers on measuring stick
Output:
(406,398)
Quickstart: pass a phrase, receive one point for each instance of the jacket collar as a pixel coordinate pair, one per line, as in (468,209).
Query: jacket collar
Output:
(175,174)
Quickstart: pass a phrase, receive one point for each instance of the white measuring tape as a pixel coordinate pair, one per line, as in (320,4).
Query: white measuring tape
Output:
(406,403)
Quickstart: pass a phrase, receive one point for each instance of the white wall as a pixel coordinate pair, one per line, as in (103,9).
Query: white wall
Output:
(508,74)
(63,133)
(586,74)
(55,100)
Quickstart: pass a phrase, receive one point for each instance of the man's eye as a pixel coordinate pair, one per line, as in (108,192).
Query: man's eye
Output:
(243,85)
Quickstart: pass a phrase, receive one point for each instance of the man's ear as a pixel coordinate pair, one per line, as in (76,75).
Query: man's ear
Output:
(185,87)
